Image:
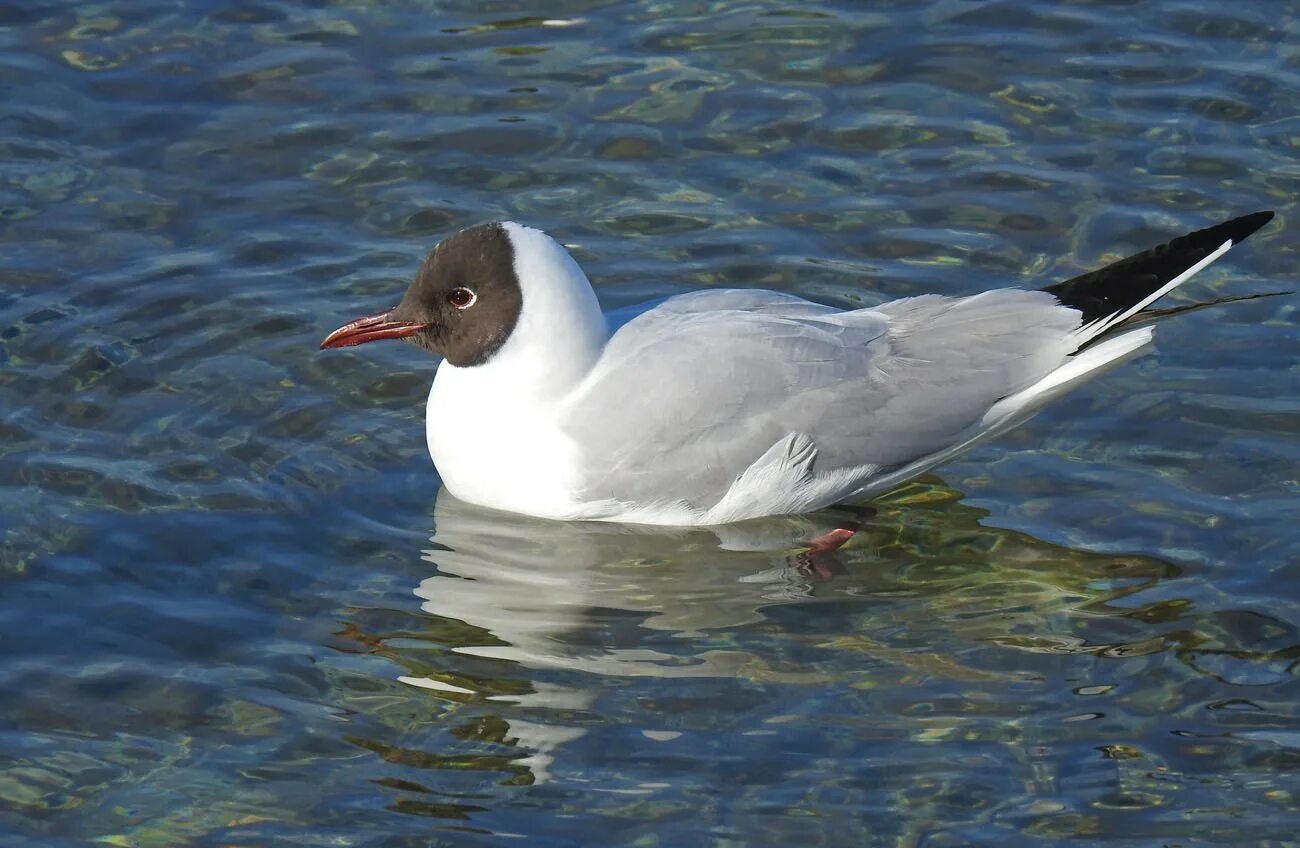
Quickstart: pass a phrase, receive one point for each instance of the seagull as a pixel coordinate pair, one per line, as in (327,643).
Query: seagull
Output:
(723,405)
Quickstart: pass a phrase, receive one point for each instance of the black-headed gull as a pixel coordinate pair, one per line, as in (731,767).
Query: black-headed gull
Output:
(723,405)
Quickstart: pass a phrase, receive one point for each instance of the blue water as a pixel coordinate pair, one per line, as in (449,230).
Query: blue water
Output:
(237,612)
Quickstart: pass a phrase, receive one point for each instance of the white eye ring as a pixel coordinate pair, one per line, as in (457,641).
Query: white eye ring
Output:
(454,297)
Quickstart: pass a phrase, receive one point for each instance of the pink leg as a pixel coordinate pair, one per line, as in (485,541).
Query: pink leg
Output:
(831,541)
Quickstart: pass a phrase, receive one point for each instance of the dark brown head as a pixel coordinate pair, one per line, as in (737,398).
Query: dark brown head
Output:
(462,305)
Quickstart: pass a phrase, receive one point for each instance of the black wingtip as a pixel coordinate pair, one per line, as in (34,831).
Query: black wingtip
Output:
(1240,229)
(1126,283)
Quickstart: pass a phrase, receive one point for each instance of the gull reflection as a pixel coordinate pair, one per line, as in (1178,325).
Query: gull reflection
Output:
(575,607)
(551,594)
(533,583)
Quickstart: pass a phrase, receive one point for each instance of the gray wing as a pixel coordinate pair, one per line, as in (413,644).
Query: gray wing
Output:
(690,394)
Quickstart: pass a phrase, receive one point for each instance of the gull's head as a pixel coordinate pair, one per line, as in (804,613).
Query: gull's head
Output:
(462,305)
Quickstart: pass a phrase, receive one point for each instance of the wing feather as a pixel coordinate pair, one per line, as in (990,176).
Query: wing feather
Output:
(692,393)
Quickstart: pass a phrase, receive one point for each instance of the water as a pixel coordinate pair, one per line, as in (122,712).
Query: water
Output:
(226,624)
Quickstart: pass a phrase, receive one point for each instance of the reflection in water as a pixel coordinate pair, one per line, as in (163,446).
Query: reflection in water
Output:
(928,594)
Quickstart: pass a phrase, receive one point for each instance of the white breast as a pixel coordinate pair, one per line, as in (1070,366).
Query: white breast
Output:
(494,449)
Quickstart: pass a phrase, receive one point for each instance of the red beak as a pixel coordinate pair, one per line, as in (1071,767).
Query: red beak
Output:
(369,329)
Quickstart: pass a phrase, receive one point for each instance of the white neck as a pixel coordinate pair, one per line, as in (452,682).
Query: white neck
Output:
(560,332)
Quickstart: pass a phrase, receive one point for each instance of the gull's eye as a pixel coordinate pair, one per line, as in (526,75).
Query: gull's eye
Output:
(461,297)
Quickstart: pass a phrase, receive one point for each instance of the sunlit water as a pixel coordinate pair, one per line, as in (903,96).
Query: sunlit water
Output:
(236,610)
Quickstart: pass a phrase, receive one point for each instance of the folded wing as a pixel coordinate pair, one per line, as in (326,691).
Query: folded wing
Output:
(694,392)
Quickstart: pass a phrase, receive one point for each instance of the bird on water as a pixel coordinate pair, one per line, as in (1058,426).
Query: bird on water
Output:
(722,405)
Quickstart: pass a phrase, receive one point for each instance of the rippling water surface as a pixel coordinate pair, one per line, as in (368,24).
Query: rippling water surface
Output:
(237,612)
